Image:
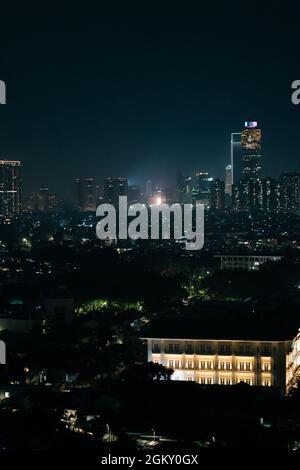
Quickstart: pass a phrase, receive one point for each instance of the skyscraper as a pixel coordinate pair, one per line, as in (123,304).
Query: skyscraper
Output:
(217,195)
(85,194)
(180,186)
(10,188)
(228,180)
(247,195)
(134,194)
(202,188)
(289,190)
(236,157)
(43,199)
(251,150)
(113,188)
(149,188)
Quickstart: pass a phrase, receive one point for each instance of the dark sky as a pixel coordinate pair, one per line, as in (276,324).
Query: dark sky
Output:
(142,89)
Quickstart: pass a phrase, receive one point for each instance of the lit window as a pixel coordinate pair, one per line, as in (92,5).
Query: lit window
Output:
(202,365)
(228,365)
(190,364)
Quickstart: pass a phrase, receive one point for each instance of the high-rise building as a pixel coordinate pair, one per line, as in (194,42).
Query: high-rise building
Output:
(169,195)
(271,194)
(202,188)
(251,150)
(149,188)
(10,188)
(289,189)
(113,188)
(180,187)
(43,199)
(247,195)
(217,195)
(236,157)
(85,194)
(228,180)
(134,194)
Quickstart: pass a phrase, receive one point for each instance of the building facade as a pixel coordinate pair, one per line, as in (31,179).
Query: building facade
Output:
(113,188)
(223,362)
(251,150)
(236,157)
(245,262)
(10,188)
(217,195)
(85,199)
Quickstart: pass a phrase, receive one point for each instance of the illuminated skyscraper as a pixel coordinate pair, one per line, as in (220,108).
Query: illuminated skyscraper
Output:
(289,192)
(251,150)
(202,188)
(217,195)
(85,194)
(113,188)
(228,180)
(10,188)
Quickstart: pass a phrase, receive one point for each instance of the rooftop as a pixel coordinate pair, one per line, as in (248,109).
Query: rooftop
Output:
(269,326)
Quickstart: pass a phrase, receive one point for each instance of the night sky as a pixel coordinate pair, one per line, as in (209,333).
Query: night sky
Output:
(143,89)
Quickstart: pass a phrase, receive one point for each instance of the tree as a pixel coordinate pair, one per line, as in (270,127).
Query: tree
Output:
(147,372)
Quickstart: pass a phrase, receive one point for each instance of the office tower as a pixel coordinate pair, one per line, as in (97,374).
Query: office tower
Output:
(113,188)
(251,150)
(169,195)
(99,194)
(187,190)
(289,192)
(202,188)
(271,194)
(134,194)
(85,194)
(149,188)
(247,195)
(228,180)
(53,202)
(180,187)
(236,157)
(10,188)
(217,195)
(43,199)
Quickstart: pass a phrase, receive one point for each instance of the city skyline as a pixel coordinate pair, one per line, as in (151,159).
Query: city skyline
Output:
(145,94)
